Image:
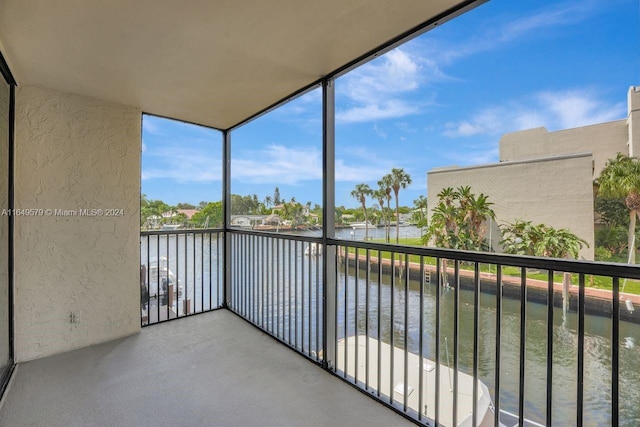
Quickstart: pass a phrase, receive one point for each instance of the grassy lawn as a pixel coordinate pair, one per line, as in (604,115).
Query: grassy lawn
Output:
(597,282)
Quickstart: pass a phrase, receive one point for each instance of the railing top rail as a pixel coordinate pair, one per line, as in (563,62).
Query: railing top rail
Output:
(181,231)
(555,264)
(277,235)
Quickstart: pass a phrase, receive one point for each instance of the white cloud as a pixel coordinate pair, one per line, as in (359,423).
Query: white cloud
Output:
(381,110)
(379,90)
(285,165)
(152,125)
(499,34)
(380,132)
(575,108)
(182,165)
(375,89)
(553,110)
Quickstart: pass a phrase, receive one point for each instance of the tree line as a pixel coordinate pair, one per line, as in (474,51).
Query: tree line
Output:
(394,181)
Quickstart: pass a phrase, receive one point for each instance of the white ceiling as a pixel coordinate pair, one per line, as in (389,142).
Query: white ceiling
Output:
(212,62)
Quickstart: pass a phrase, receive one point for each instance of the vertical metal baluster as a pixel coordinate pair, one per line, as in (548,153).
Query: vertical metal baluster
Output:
(318,303)
(195,296)
(335,312)
(269,279)
(309,299)
(234,267)
(239,250)
(421,342)
(392,326)
(246,262)
(366,318)
(290,317)
(406,330)
(379,373)
(168,269)
(476,334)
(615,352)
(218,272)
(302,277)
(255,262)
(580,397)
(278,287)
(263,287)
(265,283)
(295,291)
(523,341)
(456,332)
(210,271)
(273,287)
(148,283)
(498,342)
(158,299)
(258,279)
(242,269)
(177,275)
(281,306)
(241,277)
(355,314)
(550,295)
(437,386)
(346,312)
(186,274)
(201,271)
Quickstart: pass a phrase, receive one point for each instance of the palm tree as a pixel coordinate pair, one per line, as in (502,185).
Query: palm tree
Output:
(420,212)
(524,238)
(478,210)
(385,185)
(620,179)
(399,179)
(360,193)
(380,195)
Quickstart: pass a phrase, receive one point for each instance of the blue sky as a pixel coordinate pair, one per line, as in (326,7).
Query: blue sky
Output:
(442,99)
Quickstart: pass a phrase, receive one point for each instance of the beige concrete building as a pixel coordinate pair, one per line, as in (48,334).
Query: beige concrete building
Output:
(547,177)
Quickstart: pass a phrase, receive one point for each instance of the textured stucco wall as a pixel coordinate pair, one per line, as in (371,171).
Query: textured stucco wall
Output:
(553,191)
(604,140)
(74,152)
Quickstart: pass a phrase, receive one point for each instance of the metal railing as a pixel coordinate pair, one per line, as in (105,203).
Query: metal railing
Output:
(443,337)
(454,338)
(276,284)
(181,273)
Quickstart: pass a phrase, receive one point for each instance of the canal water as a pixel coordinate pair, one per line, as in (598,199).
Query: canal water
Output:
(597,348)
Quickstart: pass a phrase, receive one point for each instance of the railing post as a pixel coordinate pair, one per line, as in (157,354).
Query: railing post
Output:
(328,223)
(226,209)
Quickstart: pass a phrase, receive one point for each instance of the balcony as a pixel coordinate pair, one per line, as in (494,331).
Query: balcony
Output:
(430,308)
(393,330)
(103,325)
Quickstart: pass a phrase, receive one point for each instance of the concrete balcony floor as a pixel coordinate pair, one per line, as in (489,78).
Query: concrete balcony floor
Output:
(213,369)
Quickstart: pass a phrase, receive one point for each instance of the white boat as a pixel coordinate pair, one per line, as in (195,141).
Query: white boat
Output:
(416,367)
(313,249)
(159,272)
(363,224)
(170,227)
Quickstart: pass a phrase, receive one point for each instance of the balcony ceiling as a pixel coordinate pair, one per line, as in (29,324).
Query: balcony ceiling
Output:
(212,62)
